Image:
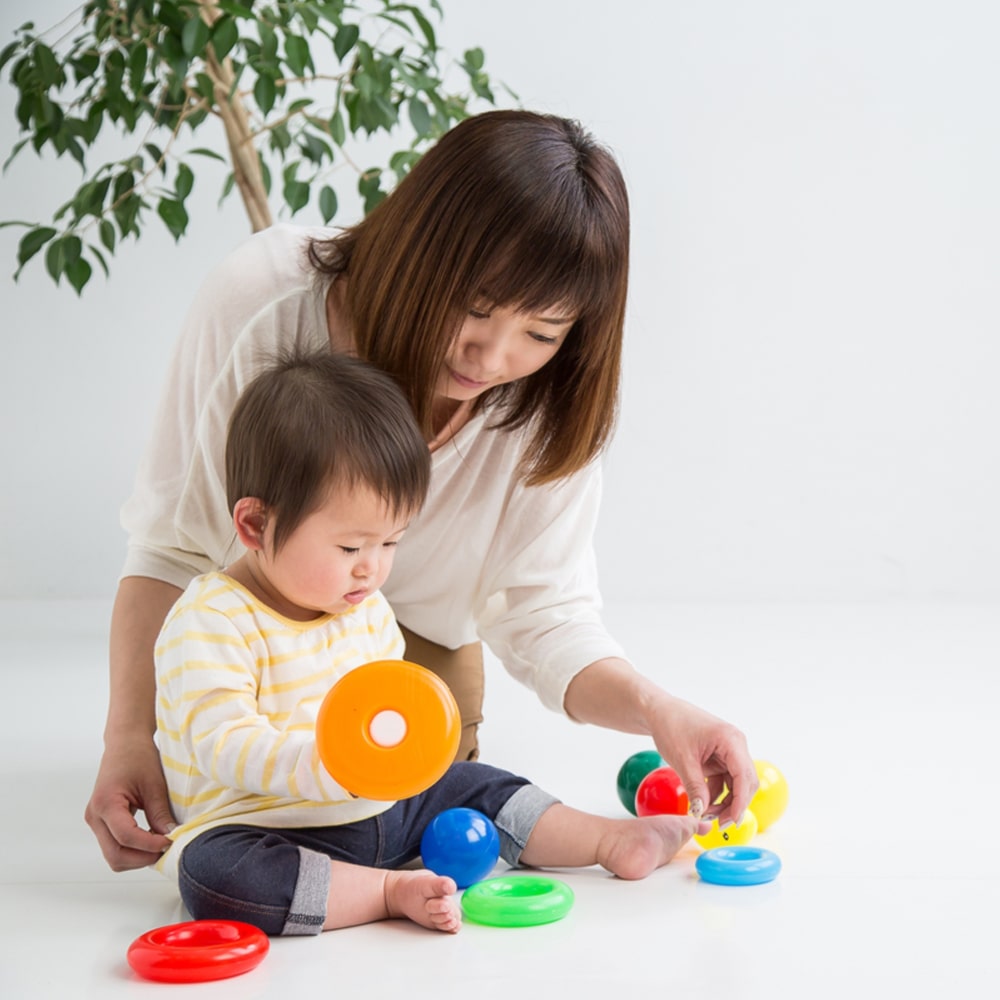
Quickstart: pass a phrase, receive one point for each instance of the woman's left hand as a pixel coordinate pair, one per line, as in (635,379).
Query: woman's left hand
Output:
(710,755)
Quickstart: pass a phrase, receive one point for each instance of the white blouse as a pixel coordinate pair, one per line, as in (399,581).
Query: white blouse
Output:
(486,558)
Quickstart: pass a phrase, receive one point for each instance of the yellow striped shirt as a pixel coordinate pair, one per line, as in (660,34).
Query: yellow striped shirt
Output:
(238,688)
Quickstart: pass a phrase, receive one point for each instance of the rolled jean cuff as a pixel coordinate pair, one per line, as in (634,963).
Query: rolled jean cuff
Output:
(307,914)
(517,818)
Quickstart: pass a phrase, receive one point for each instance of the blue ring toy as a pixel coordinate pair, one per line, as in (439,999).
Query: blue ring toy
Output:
(738,865)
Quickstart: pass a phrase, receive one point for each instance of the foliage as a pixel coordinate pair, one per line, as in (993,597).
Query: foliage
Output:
(293,82)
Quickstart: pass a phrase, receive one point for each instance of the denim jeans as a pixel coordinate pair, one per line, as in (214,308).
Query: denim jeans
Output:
(279,879)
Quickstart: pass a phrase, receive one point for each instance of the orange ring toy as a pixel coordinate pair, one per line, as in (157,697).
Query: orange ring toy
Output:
(388,730)
(197,951)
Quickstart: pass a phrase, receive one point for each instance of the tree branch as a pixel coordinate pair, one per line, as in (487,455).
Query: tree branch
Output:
(239,135)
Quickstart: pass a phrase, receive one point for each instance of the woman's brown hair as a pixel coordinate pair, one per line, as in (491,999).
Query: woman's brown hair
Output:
(511,209)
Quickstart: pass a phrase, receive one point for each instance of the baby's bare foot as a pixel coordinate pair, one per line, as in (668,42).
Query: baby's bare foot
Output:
(635,848)
(425,898)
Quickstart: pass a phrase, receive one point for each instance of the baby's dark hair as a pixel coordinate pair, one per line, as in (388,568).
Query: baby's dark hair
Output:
(312,422)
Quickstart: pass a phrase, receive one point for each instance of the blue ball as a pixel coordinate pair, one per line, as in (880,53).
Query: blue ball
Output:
(461,843)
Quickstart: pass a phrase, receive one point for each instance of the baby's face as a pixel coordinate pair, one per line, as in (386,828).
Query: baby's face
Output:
(336,558)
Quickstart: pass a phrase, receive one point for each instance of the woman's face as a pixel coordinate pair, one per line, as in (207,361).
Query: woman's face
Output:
(497,345)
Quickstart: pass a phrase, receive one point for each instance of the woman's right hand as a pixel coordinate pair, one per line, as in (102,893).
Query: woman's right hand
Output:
(130,779)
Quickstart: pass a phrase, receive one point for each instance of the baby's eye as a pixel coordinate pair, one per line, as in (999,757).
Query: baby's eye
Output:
(389,545)
(347,550)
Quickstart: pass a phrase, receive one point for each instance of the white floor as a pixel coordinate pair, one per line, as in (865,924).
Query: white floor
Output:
(882,718)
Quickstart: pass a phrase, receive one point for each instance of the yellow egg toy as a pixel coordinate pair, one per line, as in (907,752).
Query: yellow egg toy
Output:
(771,798)
(733,836)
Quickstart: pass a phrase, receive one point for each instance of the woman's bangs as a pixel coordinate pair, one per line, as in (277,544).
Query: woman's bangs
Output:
(538,273)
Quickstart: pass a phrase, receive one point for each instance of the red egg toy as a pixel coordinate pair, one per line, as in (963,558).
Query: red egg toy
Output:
(661,792)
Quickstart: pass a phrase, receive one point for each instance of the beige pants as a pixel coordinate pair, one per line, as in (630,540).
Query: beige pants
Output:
(462,670)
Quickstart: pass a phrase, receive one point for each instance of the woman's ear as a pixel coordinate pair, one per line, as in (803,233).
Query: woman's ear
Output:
(250,521)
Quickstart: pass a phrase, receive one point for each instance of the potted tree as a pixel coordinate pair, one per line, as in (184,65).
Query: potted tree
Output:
(284,94)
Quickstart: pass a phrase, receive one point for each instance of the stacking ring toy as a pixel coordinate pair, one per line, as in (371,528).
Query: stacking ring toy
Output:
(738,865)
(197,951)
(517,902)
(388,730)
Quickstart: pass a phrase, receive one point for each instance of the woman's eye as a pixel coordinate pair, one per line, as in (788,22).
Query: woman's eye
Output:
(478,314)
(542,338)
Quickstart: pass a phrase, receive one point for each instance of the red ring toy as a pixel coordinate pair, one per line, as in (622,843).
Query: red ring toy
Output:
(197,951)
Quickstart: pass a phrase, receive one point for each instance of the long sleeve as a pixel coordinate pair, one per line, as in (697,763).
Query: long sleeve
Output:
(512,565)
(541,604)
(209,686)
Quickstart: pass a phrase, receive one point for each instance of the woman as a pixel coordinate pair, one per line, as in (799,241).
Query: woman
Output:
(491,284)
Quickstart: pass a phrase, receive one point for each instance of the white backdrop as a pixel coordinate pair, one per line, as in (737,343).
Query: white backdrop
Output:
(811,408)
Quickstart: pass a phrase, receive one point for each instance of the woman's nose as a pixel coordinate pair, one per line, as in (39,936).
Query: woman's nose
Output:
(486,346)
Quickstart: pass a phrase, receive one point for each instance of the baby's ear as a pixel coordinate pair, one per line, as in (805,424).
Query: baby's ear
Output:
(250,521)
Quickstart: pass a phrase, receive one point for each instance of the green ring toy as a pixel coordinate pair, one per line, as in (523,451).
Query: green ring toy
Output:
(517,902)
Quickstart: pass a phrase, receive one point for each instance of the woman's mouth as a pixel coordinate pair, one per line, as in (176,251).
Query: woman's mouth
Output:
(467,383)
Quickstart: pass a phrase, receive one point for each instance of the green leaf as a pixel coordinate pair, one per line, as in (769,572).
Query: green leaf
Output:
(49,72)
(227,188)
(17,149)
(32,242)
(137,60)
(314,149)
(124,183)
(60,254)
(107,232)
(402,163)
(195,37)
(85,65)
(236,9)
(89,200)
(337,130)
(184,181)
(281,138)
(174,215)
(264,92)
(425,27)
(474,60)
(156,154)
(225,34)
(202,151)
(420,117)
(9,53)
(368,188)
(99,257)
(297,55)
(78,272)
(268,42)
(327,203)
(345,40)
(205,87)
(296,194)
